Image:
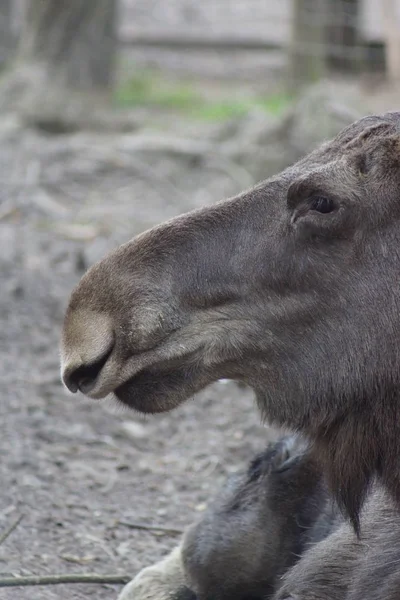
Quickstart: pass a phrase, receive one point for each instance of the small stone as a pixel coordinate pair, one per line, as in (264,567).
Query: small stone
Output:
(134,430)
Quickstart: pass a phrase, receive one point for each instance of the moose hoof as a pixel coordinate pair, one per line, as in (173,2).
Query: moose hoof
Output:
(163,581)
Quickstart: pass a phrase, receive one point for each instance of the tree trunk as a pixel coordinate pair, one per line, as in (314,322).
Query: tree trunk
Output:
(307,53)
(64,67)
(391,21)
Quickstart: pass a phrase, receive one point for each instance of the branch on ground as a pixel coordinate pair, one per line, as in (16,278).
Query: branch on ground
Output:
(58,579)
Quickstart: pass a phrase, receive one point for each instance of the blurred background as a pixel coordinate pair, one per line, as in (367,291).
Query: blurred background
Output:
(186,55)
(116,115)
(277,45)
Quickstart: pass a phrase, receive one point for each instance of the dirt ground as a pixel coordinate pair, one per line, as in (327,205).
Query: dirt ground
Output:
(76,470)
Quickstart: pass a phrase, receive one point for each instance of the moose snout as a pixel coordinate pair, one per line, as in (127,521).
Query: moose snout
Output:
(84,377)
(87,345)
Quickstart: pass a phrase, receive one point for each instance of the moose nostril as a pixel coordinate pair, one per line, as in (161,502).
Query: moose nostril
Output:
(84,377)
(85,384)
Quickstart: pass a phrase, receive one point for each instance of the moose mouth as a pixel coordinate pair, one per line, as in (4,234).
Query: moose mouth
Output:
(157,390)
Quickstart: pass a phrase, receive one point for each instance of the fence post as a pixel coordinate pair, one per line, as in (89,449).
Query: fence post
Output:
(343,38)
(307,50)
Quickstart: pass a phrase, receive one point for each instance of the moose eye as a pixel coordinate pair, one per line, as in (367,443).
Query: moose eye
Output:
(322,204)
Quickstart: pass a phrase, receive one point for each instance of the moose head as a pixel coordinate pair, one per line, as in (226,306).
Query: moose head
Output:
(291,287)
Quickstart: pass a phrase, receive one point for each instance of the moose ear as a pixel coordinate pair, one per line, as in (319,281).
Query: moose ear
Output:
(277,457)
(386,155)
(292,448)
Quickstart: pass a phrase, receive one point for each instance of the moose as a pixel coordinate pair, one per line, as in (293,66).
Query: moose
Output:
(290,287)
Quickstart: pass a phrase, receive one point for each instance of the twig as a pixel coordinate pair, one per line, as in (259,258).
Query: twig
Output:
(10,529)
(155,528)
(57,579)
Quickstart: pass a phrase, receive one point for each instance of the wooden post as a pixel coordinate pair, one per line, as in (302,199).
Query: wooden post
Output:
(307,52)
(343,38)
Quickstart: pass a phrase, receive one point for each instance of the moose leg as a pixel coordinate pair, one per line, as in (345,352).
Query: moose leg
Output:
(326,570)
